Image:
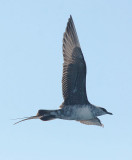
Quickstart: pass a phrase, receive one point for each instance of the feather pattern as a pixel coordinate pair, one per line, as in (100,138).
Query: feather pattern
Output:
(74,68)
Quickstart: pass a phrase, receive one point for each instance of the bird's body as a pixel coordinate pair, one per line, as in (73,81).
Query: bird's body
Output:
(76,112)
(76,105)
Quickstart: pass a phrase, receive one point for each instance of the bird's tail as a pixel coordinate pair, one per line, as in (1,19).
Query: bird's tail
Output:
(44,115)
(47,115)
(47,118)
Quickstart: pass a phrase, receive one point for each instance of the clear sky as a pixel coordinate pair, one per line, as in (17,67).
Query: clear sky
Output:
(31,33)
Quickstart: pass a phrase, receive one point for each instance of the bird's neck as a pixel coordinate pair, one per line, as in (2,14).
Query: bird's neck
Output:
(97,111)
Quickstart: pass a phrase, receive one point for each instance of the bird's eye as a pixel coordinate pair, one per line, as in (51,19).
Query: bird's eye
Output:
(104,109)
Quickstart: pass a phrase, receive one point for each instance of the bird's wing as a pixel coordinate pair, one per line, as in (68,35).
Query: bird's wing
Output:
(74,68)
(95,121)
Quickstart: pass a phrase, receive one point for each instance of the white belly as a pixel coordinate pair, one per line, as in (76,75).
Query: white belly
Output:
(77,112)
(83,113)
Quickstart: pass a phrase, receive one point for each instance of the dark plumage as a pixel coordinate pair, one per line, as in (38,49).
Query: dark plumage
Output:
(76,105)
(74,68)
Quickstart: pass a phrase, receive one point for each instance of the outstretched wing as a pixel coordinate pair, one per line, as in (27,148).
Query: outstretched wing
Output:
(74,68)
(95,121)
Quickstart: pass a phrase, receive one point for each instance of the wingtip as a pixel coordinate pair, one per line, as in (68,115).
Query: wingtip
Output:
(70,18)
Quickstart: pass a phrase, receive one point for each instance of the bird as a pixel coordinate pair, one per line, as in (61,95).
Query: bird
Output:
(76,105)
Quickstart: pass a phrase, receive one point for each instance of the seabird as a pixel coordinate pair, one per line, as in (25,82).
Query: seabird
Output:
(76,105)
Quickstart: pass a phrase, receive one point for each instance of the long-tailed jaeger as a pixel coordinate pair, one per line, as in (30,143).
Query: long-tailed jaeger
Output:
(76,105)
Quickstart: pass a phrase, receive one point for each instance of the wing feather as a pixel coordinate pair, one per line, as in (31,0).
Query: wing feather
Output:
(95,121)
(74,68)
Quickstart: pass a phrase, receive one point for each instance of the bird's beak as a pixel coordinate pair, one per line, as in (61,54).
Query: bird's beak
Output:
(109,113)
(28,118)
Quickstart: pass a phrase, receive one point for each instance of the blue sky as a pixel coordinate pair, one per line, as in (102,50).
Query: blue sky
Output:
(31,70)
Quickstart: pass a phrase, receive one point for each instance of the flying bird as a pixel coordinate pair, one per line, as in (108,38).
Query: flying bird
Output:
(76,105)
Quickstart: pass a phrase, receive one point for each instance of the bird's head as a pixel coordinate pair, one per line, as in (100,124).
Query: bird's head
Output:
(104,111)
